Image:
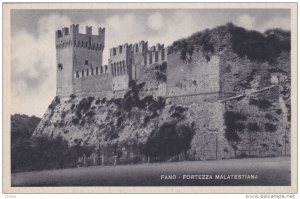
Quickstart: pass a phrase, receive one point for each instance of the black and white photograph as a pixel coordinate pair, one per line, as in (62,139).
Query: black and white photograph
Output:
(185,96)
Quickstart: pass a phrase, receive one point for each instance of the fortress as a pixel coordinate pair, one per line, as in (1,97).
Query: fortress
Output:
(80,70)
(79,63)
(205,78)
(236,106)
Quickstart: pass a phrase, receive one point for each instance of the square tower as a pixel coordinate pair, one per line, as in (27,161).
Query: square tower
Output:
(73,51)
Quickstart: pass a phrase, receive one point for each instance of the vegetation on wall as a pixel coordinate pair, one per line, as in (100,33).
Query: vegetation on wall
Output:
(168,140)
(234,124)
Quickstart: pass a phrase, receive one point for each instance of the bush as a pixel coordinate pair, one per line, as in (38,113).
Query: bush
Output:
(39,153)
(97,101)
(54,103)
(168,140)
(233,125)
(253,127)
(270,127)
(257,46)
(75,120)
(72,96)
(261,103)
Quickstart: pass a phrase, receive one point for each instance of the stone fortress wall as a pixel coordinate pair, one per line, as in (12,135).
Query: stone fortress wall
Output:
(80,70)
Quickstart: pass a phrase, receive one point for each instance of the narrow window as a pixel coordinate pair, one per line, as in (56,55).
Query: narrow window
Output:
(101,69)
(124,67)
(87,72)
(86,62)
(82,73)
(77,74)
(97,71)
(118,69)
(156,56)
(105,68)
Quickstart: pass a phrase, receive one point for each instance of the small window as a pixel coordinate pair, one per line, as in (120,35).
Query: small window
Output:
(60,66)
(87,72)
(97,71)
(86,62)
(82,73)
(77,74)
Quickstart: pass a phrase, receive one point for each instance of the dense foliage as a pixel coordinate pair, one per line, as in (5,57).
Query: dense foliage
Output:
(168,140)
(252,44)
(22,127)
(38,153)
(234,124)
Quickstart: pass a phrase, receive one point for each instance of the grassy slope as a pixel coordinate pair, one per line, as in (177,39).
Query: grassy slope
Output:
(270,171)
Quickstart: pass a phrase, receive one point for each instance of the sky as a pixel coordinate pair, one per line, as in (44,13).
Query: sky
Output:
(33,61)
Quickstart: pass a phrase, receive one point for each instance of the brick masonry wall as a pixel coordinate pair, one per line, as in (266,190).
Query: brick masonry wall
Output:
(197,76)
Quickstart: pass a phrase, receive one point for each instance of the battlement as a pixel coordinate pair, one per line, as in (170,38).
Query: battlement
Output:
(74,30)
(88,70)
(156,54)
(71,37)
(120,50)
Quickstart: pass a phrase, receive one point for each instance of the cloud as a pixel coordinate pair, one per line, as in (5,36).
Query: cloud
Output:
(246,21)
(33,71)
(119,29)
(250,22)
(276,22)
(155,21)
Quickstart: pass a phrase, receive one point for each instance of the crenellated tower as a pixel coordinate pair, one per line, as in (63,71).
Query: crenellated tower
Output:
(77,56)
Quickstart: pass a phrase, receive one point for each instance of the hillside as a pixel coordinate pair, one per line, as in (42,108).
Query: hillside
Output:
(244,119)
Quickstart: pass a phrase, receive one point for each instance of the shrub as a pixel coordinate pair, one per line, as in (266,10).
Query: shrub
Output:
(72,96)
(233,125)
(261,103)
(83,106)
(257,46)
(168,140)
(75,120)
(270,127)
(63,115)
(253,127)
(54,103)
(278,111)
(97,101)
